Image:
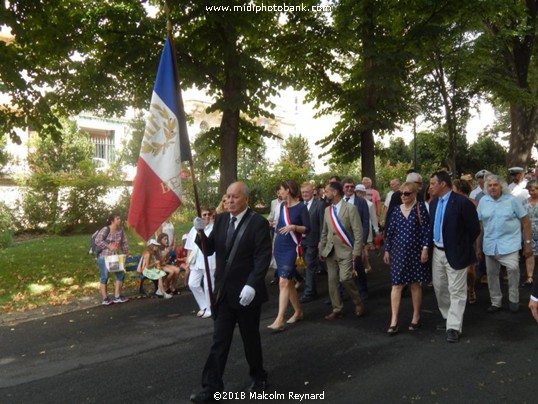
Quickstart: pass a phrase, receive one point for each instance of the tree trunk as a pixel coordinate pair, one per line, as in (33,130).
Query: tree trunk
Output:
(229,137)
(523,133)
(367,155)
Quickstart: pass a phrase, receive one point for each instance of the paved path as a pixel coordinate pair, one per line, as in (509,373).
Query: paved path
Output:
(152,351)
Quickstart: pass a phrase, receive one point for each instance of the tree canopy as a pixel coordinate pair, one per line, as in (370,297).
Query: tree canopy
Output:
(375,64)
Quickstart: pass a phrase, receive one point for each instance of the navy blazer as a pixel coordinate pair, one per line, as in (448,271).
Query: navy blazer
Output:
(316,213)
(250,263)
(364,213)
(460,230)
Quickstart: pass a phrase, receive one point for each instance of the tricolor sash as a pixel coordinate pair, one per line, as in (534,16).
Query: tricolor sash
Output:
(339,228)
(296,238)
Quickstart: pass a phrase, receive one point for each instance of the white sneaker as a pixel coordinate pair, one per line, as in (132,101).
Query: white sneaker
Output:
(167,296)
(207,314)
(200,313)
(158,293)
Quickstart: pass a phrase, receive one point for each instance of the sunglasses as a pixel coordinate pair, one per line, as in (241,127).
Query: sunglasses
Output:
(206,214)
(407,193)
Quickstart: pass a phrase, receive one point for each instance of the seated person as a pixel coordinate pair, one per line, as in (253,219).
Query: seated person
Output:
(151,259)
(171,270)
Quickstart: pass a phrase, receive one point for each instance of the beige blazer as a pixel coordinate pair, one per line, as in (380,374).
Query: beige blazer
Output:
(351,221)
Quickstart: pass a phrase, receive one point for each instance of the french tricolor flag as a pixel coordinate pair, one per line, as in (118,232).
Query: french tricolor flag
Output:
(157,186)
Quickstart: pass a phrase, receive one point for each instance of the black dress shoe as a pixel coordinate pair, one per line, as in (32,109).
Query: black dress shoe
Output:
(258,386)
(203,397)
(306,299)
(493,309)
(452,335)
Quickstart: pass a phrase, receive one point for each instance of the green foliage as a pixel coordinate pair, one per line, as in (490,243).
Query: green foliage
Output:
(131,148)
(7,226)
(486,153)
(63,192)
(296,149)
(4,155)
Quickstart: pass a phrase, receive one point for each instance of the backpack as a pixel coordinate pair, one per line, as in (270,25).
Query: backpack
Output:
(94,248)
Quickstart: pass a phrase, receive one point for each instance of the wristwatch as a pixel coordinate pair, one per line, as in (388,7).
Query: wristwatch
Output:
(528,241)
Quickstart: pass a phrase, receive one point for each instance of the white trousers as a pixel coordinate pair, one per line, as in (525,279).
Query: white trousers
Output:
(450,290)
(198,286)
(493,267)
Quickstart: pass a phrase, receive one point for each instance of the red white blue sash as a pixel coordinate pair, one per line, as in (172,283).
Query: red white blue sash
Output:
(294,236)
(339,228)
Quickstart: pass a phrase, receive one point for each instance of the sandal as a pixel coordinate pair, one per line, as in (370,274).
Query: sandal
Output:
(528,282)
(472,297)
(393,329)
(415,326)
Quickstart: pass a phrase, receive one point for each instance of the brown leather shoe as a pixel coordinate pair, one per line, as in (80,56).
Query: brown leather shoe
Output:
(335,315)
(359,310)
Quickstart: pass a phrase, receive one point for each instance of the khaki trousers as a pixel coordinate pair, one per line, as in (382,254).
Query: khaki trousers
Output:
(341,271)
(493,266)
(450,290)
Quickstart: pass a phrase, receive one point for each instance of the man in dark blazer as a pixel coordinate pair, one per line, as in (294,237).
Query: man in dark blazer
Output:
(533,301)
(310,241)
(454,228)
(242,244)
(364,212)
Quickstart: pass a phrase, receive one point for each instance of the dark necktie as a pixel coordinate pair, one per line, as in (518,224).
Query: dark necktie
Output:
(347,198)
(230,233)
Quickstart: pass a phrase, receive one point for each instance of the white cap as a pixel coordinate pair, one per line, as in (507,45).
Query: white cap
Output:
(152,242)
(481,173)
(515,170)
(360,187)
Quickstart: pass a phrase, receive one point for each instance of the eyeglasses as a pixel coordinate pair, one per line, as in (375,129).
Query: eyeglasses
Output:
(407,193)
(206,214)
(349,186)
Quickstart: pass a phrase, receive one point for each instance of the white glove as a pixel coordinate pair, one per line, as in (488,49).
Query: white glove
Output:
(247,295)
(198,223)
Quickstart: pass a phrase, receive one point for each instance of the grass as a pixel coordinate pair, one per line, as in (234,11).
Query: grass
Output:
(54,270)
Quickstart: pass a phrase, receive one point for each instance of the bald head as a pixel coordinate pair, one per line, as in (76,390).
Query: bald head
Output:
(237,197)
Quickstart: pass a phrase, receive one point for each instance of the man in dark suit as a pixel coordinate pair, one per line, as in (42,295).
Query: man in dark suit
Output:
(454,228)
(242,244)
(364,212)
(533,301)
(310,241)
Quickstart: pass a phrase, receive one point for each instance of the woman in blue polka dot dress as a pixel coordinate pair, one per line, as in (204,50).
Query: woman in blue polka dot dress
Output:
(406,251)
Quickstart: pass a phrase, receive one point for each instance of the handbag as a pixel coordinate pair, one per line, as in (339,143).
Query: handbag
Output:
(115,262)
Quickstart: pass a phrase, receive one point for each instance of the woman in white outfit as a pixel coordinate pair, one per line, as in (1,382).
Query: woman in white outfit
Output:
(196,267)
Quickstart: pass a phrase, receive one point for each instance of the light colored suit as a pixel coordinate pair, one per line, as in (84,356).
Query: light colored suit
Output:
(339,256)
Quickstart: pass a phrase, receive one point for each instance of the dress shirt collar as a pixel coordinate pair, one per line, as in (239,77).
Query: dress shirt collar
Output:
(239,217)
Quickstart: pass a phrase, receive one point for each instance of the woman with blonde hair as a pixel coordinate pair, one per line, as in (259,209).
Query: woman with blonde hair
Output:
(406,251)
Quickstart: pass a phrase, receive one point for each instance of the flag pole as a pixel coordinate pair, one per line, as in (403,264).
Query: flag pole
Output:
(183,128)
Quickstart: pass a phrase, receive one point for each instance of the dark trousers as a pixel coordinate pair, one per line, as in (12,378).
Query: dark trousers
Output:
(226,317)
(361,280)
(311,256)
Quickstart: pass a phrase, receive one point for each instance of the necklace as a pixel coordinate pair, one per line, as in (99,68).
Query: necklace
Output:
(406,208)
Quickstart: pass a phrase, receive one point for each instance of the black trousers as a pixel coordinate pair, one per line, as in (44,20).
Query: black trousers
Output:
(248,319)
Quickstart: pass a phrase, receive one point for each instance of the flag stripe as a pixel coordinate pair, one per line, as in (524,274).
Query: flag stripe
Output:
(157,187)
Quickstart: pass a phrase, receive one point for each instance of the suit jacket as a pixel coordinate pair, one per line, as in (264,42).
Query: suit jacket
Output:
(460,230)
(250,263)
(535,286)
(349,216)
(316,213)
(364,213)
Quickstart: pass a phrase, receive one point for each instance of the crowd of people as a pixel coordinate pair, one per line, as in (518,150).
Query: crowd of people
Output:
(441,232)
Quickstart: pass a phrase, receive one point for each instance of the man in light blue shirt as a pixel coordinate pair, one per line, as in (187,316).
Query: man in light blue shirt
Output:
(502,216)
